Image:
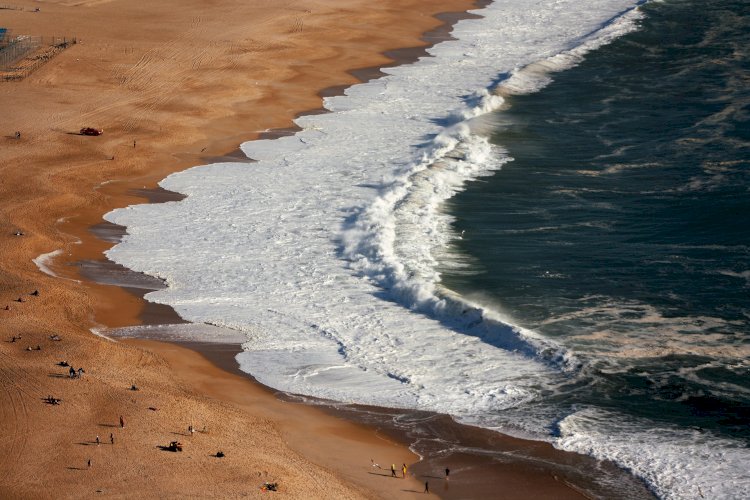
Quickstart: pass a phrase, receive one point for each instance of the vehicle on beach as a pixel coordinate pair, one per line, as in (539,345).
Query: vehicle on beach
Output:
(91,131)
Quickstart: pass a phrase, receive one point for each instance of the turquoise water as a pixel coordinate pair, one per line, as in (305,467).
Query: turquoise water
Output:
(622,229)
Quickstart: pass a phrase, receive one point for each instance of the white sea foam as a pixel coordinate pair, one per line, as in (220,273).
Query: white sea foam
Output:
(44,259)
(323,252)
(675,462)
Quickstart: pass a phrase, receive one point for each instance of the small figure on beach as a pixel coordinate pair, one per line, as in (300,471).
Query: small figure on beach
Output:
(20,299)
(97,441)
(13,339)
(88,464)
(18,134)
(374,464)
(38,348)
(393,470)
(111,438)
(80,373)
(122,422)
(403,471)
(72,372)
(18,233)
(447,473)
(191,430)
(426,487)
(55,338)
(7,308)
(133,143)
(35,293)
(133,387)
(219,454)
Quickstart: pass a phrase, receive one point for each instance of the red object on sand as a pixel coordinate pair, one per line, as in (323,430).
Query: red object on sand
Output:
(91,131)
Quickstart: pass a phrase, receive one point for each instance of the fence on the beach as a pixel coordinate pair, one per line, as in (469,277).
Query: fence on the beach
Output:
(22,54)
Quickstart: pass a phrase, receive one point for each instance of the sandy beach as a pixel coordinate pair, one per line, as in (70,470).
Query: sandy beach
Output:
(173,84)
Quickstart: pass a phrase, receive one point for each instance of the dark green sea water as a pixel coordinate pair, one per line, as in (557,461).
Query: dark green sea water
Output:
(622,228)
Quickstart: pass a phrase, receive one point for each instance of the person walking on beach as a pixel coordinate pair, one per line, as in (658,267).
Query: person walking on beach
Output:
(426,487)
(122,422)
(403,471)
(393,470)
(80,373)
(447,473)
(72,372)
(88,464)
(97,440)
(111,438)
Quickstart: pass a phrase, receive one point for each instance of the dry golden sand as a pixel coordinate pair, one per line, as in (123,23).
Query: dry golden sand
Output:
(171,82)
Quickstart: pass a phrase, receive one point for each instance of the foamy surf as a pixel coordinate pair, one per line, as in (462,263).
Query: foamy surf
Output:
(323,252)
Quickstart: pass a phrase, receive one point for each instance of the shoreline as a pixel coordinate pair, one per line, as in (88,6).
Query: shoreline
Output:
(142,81)
(123,305)
(554,473)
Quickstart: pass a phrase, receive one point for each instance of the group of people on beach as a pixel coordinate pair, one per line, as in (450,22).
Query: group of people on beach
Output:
(403,473)
(76,374)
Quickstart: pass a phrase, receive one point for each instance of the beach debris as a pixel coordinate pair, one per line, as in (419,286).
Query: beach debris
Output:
(35,293)
(91,131)
(20,299)
(270,487)
(55,338)
(219,454)
(18,134)
(18,233)
(52,401)
(7,308)
(63,363)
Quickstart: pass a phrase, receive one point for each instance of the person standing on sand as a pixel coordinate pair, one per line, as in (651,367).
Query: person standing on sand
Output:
(393,470)
(447,473)
(88,464)
(426,487)
(97,440)
(122,422)
(403,471)
(111,438)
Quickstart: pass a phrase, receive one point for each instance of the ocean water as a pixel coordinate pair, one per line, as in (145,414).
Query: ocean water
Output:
(538,229)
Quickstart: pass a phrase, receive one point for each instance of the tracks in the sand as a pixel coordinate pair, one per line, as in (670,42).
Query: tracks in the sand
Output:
(14,415)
